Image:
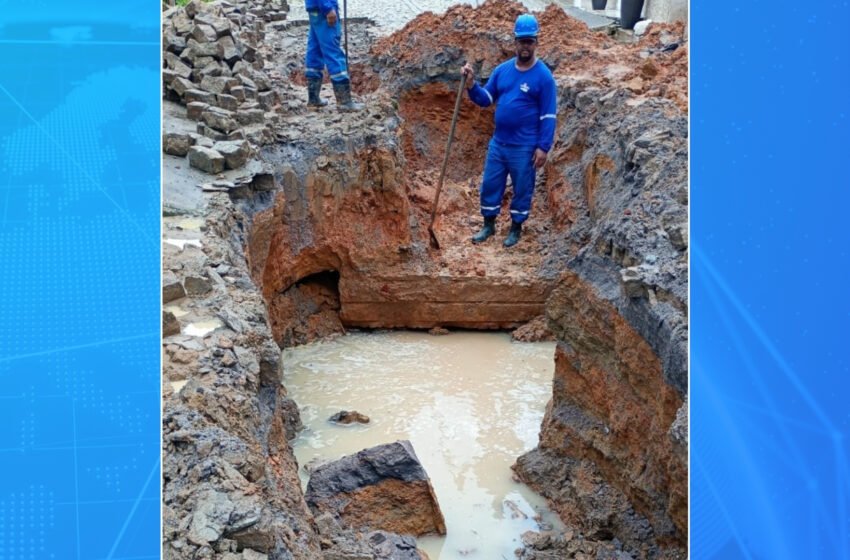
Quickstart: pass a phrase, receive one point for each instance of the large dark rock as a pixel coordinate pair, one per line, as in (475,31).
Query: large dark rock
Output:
(383,487)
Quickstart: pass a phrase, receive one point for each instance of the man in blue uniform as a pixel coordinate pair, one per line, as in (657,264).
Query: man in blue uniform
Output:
(523,90)
(323,49)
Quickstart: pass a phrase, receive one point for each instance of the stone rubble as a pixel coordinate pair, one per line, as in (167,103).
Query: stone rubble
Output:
(213,65)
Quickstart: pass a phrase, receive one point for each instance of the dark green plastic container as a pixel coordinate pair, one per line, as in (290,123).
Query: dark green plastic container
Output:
(630,13)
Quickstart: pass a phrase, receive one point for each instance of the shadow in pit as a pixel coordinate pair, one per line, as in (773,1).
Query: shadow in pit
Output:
(308,310)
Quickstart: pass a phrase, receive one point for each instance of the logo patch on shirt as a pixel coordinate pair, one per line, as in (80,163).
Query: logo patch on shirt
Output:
(524,87)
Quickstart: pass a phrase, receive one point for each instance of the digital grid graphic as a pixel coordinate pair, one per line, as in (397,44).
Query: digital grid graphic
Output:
(769,251)
(79,247)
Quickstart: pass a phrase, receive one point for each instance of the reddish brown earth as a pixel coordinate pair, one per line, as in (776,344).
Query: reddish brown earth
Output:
(406,508)
(483,36)
(427,112)
(604,445)
(536,330)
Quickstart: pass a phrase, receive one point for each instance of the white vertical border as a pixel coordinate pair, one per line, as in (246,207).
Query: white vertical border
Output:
(690,295)
(160,306)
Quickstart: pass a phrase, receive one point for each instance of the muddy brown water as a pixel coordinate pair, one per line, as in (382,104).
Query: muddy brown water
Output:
(469,402)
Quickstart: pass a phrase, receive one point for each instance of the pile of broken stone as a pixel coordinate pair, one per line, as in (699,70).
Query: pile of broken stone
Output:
(213,66)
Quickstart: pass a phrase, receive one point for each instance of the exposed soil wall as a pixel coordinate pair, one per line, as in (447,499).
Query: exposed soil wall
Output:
(611,459)
(230,479)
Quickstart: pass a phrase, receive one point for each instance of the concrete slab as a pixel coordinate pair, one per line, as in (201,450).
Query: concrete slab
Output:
(593,21)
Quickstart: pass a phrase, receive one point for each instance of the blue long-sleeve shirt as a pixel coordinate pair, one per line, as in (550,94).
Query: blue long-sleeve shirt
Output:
(323,6)
(525,101)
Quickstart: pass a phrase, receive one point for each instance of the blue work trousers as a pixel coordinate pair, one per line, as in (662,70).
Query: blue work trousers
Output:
(504,159)
(323,49)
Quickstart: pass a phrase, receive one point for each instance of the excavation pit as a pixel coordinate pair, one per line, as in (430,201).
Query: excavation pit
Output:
(335,239)
(468,402)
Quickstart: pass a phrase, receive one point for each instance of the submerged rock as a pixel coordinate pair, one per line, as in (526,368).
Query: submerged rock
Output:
(383,487)
(349,417)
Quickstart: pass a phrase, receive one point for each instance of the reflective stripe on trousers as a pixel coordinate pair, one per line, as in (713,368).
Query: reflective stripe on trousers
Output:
(323,49)
(504,160)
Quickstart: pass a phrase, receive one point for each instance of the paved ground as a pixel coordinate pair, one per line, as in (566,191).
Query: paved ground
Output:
(390,15)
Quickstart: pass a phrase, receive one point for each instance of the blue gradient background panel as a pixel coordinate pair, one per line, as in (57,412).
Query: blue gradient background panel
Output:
(79,278)
(770,314)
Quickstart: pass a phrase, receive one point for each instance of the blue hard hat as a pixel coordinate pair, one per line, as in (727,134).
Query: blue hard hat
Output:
(526,26)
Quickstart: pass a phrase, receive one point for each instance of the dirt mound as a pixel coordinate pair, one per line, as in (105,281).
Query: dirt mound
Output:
(656,66)
(461,28)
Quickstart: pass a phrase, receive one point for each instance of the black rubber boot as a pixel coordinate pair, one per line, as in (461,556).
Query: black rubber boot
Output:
(342,91)
(488,230)
(314,88)
(513,235)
